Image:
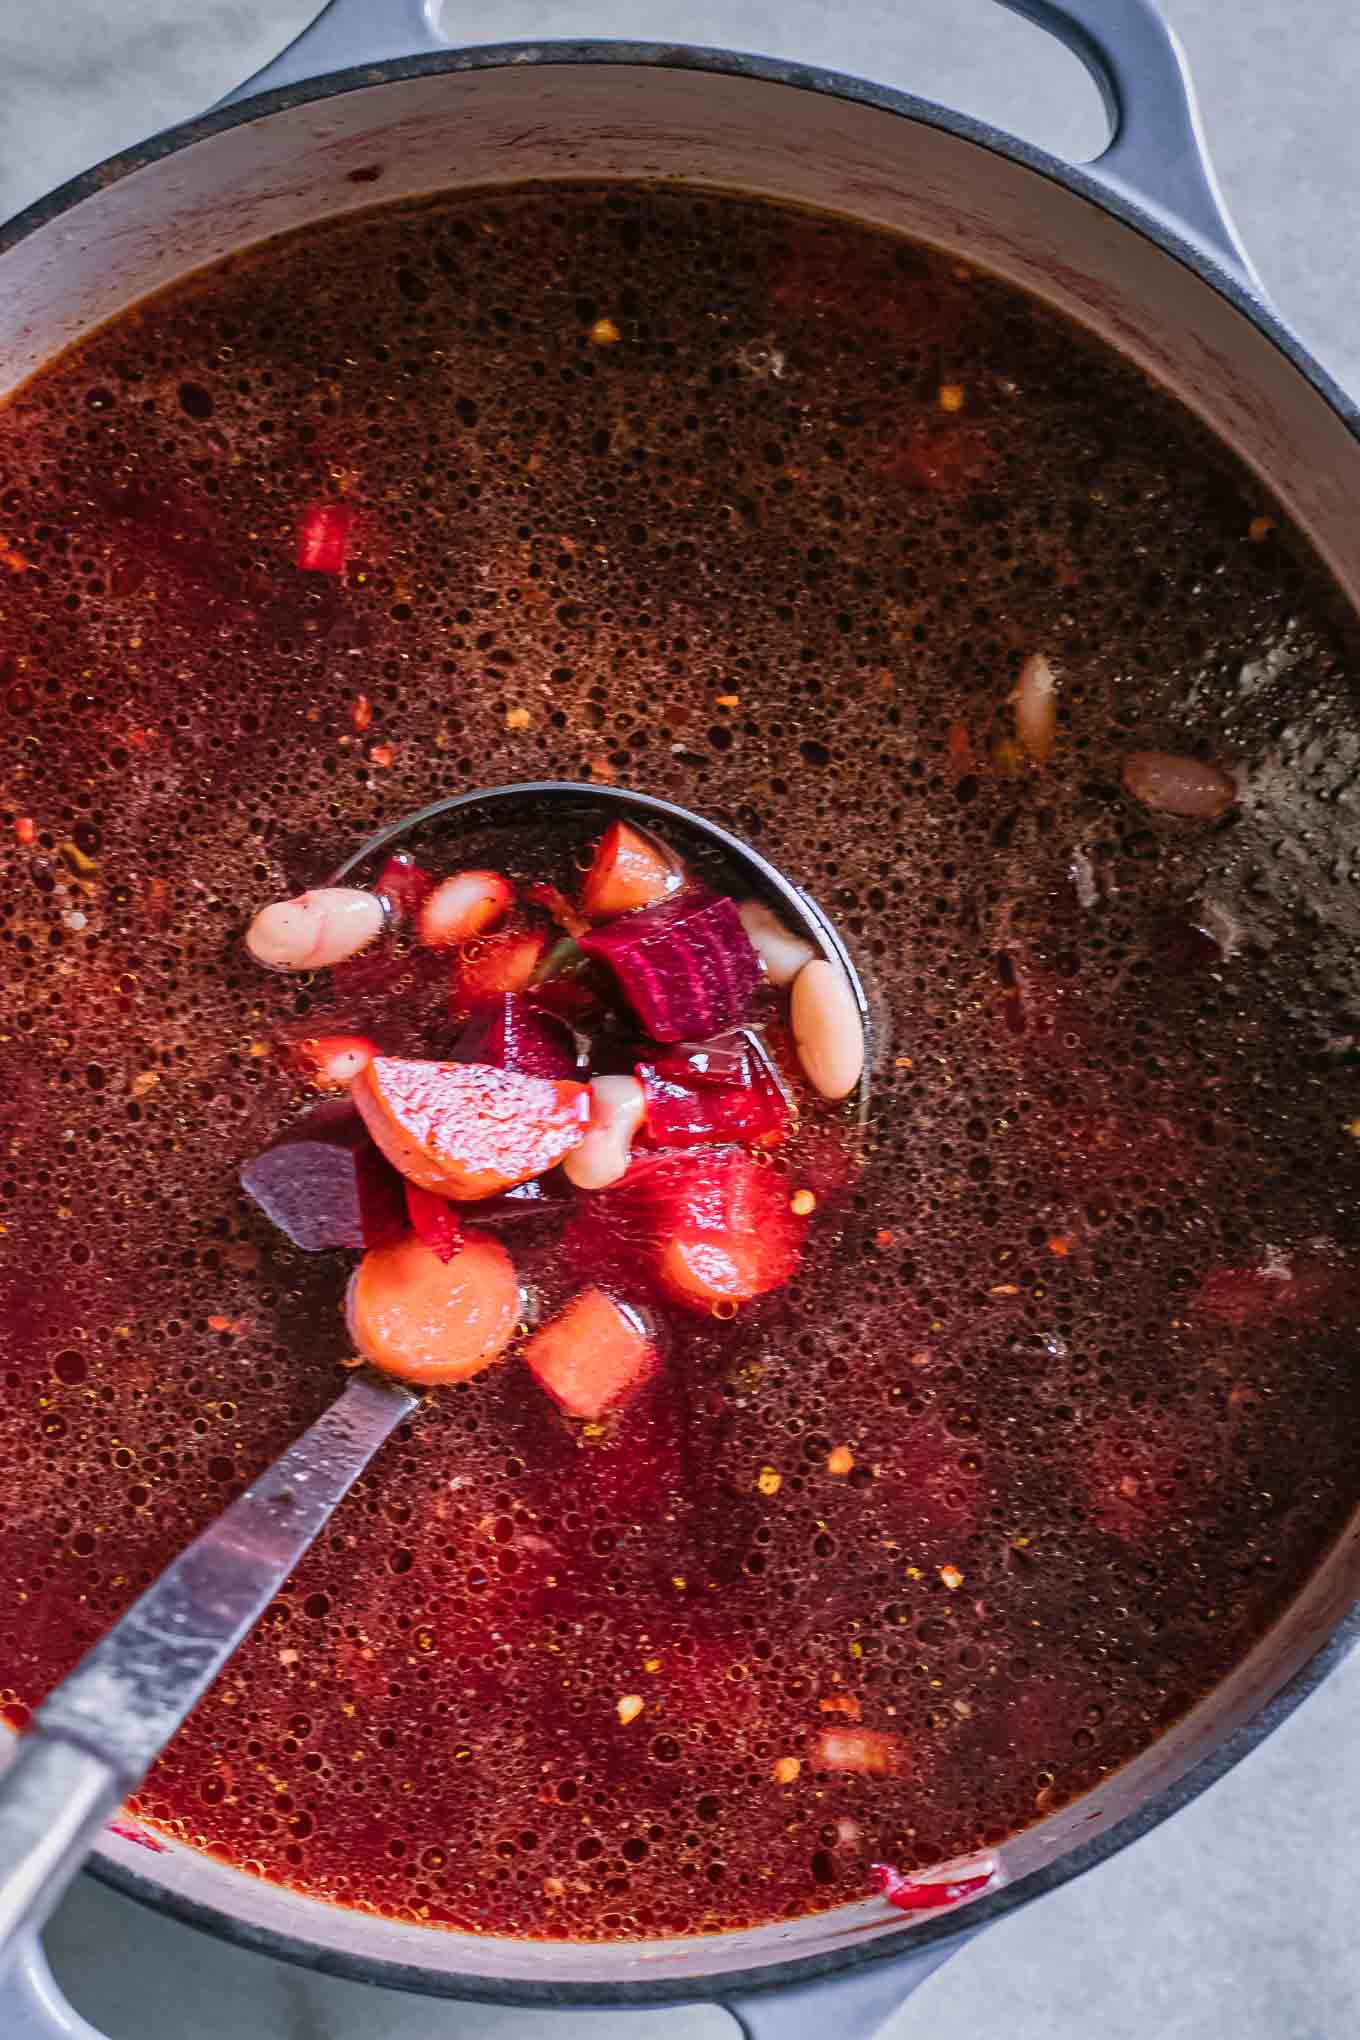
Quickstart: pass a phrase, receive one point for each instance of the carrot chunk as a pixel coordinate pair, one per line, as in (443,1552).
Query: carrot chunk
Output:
(631,869)
(431,1321)
(593,1355)
(464,1130)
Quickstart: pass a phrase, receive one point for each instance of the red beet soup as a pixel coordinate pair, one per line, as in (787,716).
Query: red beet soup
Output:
(1043,1406)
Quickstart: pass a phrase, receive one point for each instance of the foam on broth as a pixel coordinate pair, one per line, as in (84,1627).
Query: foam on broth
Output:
(761,513)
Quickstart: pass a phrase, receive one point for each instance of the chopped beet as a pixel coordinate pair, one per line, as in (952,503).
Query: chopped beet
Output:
(325,1184)
(434,1221)
(709,1228)
(686,966)
(541,1197)
(509,1033)
(723,1090)
(405,883)
(726,1060)
(323,538)
(910,1894)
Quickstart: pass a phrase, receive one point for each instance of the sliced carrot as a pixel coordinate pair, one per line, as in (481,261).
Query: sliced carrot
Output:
(462,906)
(465,1130)
(592,1356)
(708,1270)
(505,963)
(631,869)
(431,1321)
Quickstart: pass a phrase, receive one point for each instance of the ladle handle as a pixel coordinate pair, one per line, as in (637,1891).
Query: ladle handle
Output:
(97,1733)
(1156,157)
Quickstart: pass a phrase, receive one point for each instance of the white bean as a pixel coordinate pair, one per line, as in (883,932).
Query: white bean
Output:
(1036,709)
(617,1105)
(781,951)
(1179,786)
(827,1030)
(316,929)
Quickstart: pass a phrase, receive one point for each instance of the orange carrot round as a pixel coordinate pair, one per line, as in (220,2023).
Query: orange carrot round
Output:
(430,1321)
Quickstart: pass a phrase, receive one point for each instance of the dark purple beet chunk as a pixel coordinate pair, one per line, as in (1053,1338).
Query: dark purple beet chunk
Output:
(325,1184)
(685,966)
(508,1033)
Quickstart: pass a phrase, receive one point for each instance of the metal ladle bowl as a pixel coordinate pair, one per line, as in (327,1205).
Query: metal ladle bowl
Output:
(586,809)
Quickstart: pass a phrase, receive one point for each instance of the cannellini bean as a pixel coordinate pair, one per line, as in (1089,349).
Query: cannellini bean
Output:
(1179,786)
(315,929)
(781,951)
(462,906)
(827,1030)
(1036,709)
(616,1108)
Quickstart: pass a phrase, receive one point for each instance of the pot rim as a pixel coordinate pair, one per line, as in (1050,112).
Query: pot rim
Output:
(948,1929)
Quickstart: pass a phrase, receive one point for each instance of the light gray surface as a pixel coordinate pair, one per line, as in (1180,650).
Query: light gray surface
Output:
(1237,1920)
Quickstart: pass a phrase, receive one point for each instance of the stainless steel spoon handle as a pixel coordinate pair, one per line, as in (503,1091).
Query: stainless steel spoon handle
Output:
(97,1734)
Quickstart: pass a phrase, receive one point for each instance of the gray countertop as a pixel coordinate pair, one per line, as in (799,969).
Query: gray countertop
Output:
(1236,1918)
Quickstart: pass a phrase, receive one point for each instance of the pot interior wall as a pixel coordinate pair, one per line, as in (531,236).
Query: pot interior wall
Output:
(139,228)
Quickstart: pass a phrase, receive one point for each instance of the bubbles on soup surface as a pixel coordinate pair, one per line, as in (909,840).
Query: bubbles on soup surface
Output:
(1054,1417)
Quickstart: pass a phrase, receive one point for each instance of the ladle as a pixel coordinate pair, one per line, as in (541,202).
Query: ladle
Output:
(99,1731)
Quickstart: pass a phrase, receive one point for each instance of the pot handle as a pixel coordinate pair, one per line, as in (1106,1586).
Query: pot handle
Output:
(347,33)
(851,2006)
(31,2006)
(1157,155)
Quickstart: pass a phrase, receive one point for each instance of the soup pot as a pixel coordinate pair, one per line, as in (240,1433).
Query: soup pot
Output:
(370,103)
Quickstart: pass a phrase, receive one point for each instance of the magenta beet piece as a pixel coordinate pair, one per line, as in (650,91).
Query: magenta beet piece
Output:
(722,1090)
(434,1222)
(909,1894)
(727,1059)
(510,1033)
(685,966)
(405,883)
(325,1184)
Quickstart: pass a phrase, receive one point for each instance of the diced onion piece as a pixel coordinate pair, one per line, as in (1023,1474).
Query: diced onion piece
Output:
(462,906)
(1172,785)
